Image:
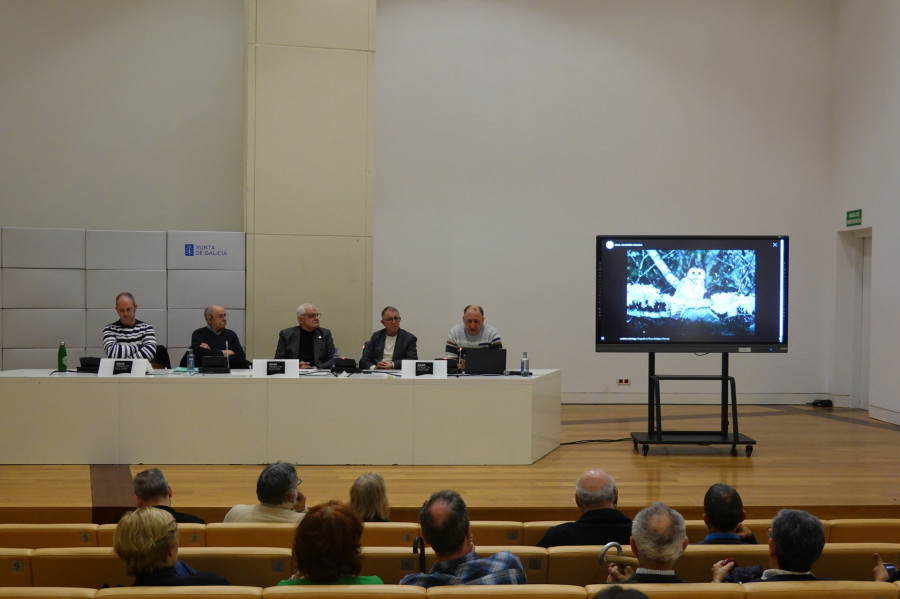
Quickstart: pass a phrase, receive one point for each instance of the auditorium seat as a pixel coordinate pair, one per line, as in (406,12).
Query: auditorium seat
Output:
(535,560)
(389,534)
(534,531)
(393,563)
(821,589)
(47,593)
(89,567)
(347,591)
(199,592)
(497,532)
(33,536)
(862,530)
(695,564)
(189,535)
(696,529)
(247,566)
(690,590)
(250,534)
(576,565)
(853,561)
(15,567)
(508,591)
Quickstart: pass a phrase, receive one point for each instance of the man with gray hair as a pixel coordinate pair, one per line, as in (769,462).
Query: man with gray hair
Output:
(388,347)
(596,496)
(280,499)
(151,489)
(216,340)
(658,538)
(307,342)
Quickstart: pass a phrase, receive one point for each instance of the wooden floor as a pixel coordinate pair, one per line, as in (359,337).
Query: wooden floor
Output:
(833,462)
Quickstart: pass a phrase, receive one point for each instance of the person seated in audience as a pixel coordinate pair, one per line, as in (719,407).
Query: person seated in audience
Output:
(881,573)
(368,496)
(215,340)
(658,538)
(129,337)
(388,347)
(617,592)
(596,496)
(151,489)
(280,498)
(445,525)
(724,515)
(796,540)
(327,549)
(147,540)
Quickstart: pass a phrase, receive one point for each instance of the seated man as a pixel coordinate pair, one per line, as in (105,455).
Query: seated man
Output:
(151,489)
(723,514)
(215,340)
(658,538)
(473,332)
(600,522)
(796,541)
(388,347)
(280,499)
(307,342)
(445,524)
(128,337)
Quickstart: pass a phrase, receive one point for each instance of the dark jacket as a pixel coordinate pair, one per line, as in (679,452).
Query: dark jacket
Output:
(404,349)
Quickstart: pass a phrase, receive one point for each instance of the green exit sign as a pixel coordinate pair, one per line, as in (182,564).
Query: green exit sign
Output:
(854,218)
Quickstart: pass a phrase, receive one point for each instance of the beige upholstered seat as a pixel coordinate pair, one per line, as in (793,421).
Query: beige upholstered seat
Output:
(577,565)
(243,566)
(88,567)
(15,567)
(199,592)
(534,531)
(389,534)
(864,530)
(249,534)
(497,532)
(691,590)
(695,564)
(853,561)
(347,591)
(824,589)
(508,591)
(393,563)
(33,536)
(46,593)
(189,535)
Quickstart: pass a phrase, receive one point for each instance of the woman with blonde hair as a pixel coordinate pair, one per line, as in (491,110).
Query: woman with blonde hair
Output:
(368,496)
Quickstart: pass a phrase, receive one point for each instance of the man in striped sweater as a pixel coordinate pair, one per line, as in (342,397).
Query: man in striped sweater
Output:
(128,337)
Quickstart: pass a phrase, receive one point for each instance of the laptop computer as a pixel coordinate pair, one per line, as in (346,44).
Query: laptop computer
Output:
(485,360)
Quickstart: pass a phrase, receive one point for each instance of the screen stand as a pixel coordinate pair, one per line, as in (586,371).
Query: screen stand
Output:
(655,434)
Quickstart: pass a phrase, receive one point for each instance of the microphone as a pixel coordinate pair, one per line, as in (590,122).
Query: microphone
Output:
(458,359)
(227,357)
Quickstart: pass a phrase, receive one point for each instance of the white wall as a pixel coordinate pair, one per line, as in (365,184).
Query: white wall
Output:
(509,134)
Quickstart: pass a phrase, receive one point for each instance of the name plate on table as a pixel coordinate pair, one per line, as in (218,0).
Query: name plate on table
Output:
(123,367)
(424,369)
(276,368)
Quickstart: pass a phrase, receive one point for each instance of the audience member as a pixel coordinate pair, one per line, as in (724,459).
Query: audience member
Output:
(307,342)
(724,515)
(388,347)
(151,489)
(473,332)
(147,540)
(796,540)
(215,340)
(617,592)
(658,538)
(881,573)
(445,524)
(326,547)
(128,337)
(596,496)
(368,496)
(280,499)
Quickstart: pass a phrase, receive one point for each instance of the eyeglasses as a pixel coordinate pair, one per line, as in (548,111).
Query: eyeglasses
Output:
(392,319)
(314,315)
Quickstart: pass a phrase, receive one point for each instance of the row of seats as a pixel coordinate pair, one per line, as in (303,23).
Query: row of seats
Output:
(389,534)
(769,590)
(92,567)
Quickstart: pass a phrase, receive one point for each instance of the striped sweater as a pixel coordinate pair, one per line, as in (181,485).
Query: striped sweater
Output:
(138,341)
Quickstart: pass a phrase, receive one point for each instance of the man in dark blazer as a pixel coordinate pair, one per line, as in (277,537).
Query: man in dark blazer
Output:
(307,342)
(402,344)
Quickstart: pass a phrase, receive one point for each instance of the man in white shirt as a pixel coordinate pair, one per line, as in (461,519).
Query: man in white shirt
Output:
(280,499)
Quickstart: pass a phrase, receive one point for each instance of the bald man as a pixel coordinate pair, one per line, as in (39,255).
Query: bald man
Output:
(215,340)
(600,523)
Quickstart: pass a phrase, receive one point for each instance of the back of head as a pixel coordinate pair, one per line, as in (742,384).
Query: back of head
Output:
(276,483)
(617,592)
(326,546)
(799,538)
(724,508)
(368,496)
(445,534)
(659,534)
(595,489)
(150,484)
(144,539)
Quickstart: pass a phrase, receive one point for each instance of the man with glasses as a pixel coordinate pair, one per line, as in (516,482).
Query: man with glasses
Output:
(309,343)
(388,347)
(280,499)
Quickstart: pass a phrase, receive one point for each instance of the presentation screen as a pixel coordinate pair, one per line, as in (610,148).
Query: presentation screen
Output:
(692,293)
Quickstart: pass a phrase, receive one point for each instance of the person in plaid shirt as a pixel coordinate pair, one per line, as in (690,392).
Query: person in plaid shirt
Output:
(445,523)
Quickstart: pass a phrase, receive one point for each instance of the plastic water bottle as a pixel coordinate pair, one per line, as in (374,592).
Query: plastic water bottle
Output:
(190,360)
(62,359)
(526,367)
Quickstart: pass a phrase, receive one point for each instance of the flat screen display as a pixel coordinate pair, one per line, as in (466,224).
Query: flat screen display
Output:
(692,293)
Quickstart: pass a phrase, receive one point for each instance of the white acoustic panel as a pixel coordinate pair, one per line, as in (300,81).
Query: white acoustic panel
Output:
(42,328)
(43,288)
(205,250)
(97,319)
(42,248)
(17,359)
(183,323)
(200,288)
(147,286)
(126,250)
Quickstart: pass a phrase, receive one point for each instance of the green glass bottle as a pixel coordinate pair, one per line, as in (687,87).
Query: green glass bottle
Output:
(62,360)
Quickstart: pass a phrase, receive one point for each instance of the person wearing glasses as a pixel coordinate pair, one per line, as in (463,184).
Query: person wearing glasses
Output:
(307,342)
(388,347)
(280,498)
